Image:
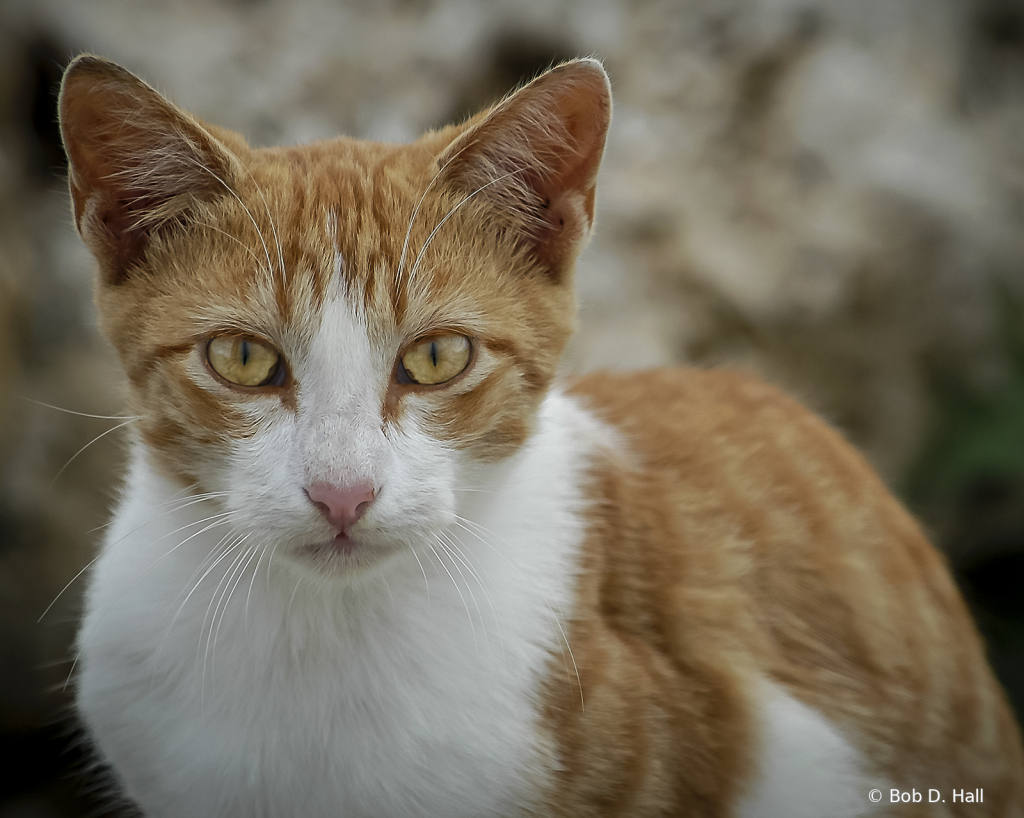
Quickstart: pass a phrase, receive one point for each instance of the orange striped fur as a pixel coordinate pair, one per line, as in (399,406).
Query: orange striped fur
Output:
(747,539)
(731,542)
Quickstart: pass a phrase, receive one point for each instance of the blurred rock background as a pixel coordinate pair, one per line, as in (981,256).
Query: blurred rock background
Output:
(828,192)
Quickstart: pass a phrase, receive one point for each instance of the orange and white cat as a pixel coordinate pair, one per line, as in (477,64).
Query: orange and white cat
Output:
(373,559)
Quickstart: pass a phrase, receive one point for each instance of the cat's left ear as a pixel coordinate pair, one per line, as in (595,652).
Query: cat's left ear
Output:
(534,158)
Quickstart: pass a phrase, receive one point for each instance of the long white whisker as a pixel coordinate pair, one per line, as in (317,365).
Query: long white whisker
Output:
(416,210)
(215,557)
(219,595)
(440,224)
(291,599)
(237,198)
(175,498)
(423,571)
(235,239)
(218,592)
(464,556)
(87,445)
(248,595)
(198,575)
(221,521)
(390,593)
(60,593)
(224,611)
(469,615)
(270,559)
(92,562)
(556,618)
(221,518)
(453,556)
(81,414)
(270,218)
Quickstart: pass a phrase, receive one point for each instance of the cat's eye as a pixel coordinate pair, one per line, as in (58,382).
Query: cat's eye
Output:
(244,361)
(435,360)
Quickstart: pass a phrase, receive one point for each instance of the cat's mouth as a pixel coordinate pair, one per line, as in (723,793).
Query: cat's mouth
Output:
(343,544)
(343,554)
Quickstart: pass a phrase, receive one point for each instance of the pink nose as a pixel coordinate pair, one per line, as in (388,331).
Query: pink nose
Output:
(341,506)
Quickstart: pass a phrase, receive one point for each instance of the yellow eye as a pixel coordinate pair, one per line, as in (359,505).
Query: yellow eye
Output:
(435,360)
(244,361)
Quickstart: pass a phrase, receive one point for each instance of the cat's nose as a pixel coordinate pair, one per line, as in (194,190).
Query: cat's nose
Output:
(341,506)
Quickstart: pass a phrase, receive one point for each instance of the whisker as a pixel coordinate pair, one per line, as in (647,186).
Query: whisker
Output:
(224,611)
(270,559)
(220,595)
(87,445)
(215,557)
(237,198)
(80,414)
(453,556)
(185,503)
(464,557)
(60,593)
(222,521)
(235,239)
(440,224)
(427,584)
(173,498)
(218,519)
(461,596)
(391,595)
(248,595)
(291,599)
(416,210)
(557,619)
(270,218)
(220,515)
(92,562)
(207,564)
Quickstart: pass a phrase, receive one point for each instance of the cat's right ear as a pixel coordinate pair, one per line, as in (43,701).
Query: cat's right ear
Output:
(534,157)
(137,164)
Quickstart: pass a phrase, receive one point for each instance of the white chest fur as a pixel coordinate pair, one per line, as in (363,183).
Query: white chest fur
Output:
(245,688)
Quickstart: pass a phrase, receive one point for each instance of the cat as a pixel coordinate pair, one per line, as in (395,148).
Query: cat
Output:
(373,557)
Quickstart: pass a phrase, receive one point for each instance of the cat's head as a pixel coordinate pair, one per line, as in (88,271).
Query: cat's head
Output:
(331,334)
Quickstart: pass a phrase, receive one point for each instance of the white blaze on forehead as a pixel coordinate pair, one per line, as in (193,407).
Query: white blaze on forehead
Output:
(338,272)
(343,379)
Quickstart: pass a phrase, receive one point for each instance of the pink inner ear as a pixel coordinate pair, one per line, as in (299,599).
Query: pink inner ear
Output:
(127,239)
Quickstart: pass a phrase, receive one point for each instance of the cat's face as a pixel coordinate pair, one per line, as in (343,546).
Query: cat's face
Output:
(333,337)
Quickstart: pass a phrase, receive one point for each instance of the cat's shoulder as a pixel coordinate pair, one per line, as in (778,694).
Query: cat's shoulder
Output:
(648,396)
(677,414)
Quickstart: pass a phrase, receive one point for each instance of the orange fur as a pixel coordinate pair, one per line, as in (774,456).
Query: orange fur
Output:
(735,538)
(747,539)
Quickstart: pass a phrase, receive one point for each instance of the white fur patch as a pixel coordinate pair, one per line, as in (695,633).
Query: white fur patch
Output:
(252,687)
(806,768)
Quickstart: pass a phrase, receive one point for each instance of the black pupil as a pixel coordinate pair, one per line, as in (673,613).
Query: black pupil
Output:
(433,353)
(245,353)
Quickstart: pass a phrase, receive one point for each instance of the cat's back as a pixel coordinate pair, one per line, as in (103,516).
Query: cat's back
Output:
(744,541)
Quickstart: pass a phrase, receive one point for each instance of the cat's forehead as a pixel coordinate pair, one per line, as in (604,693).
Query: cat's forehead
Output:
(342,214)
